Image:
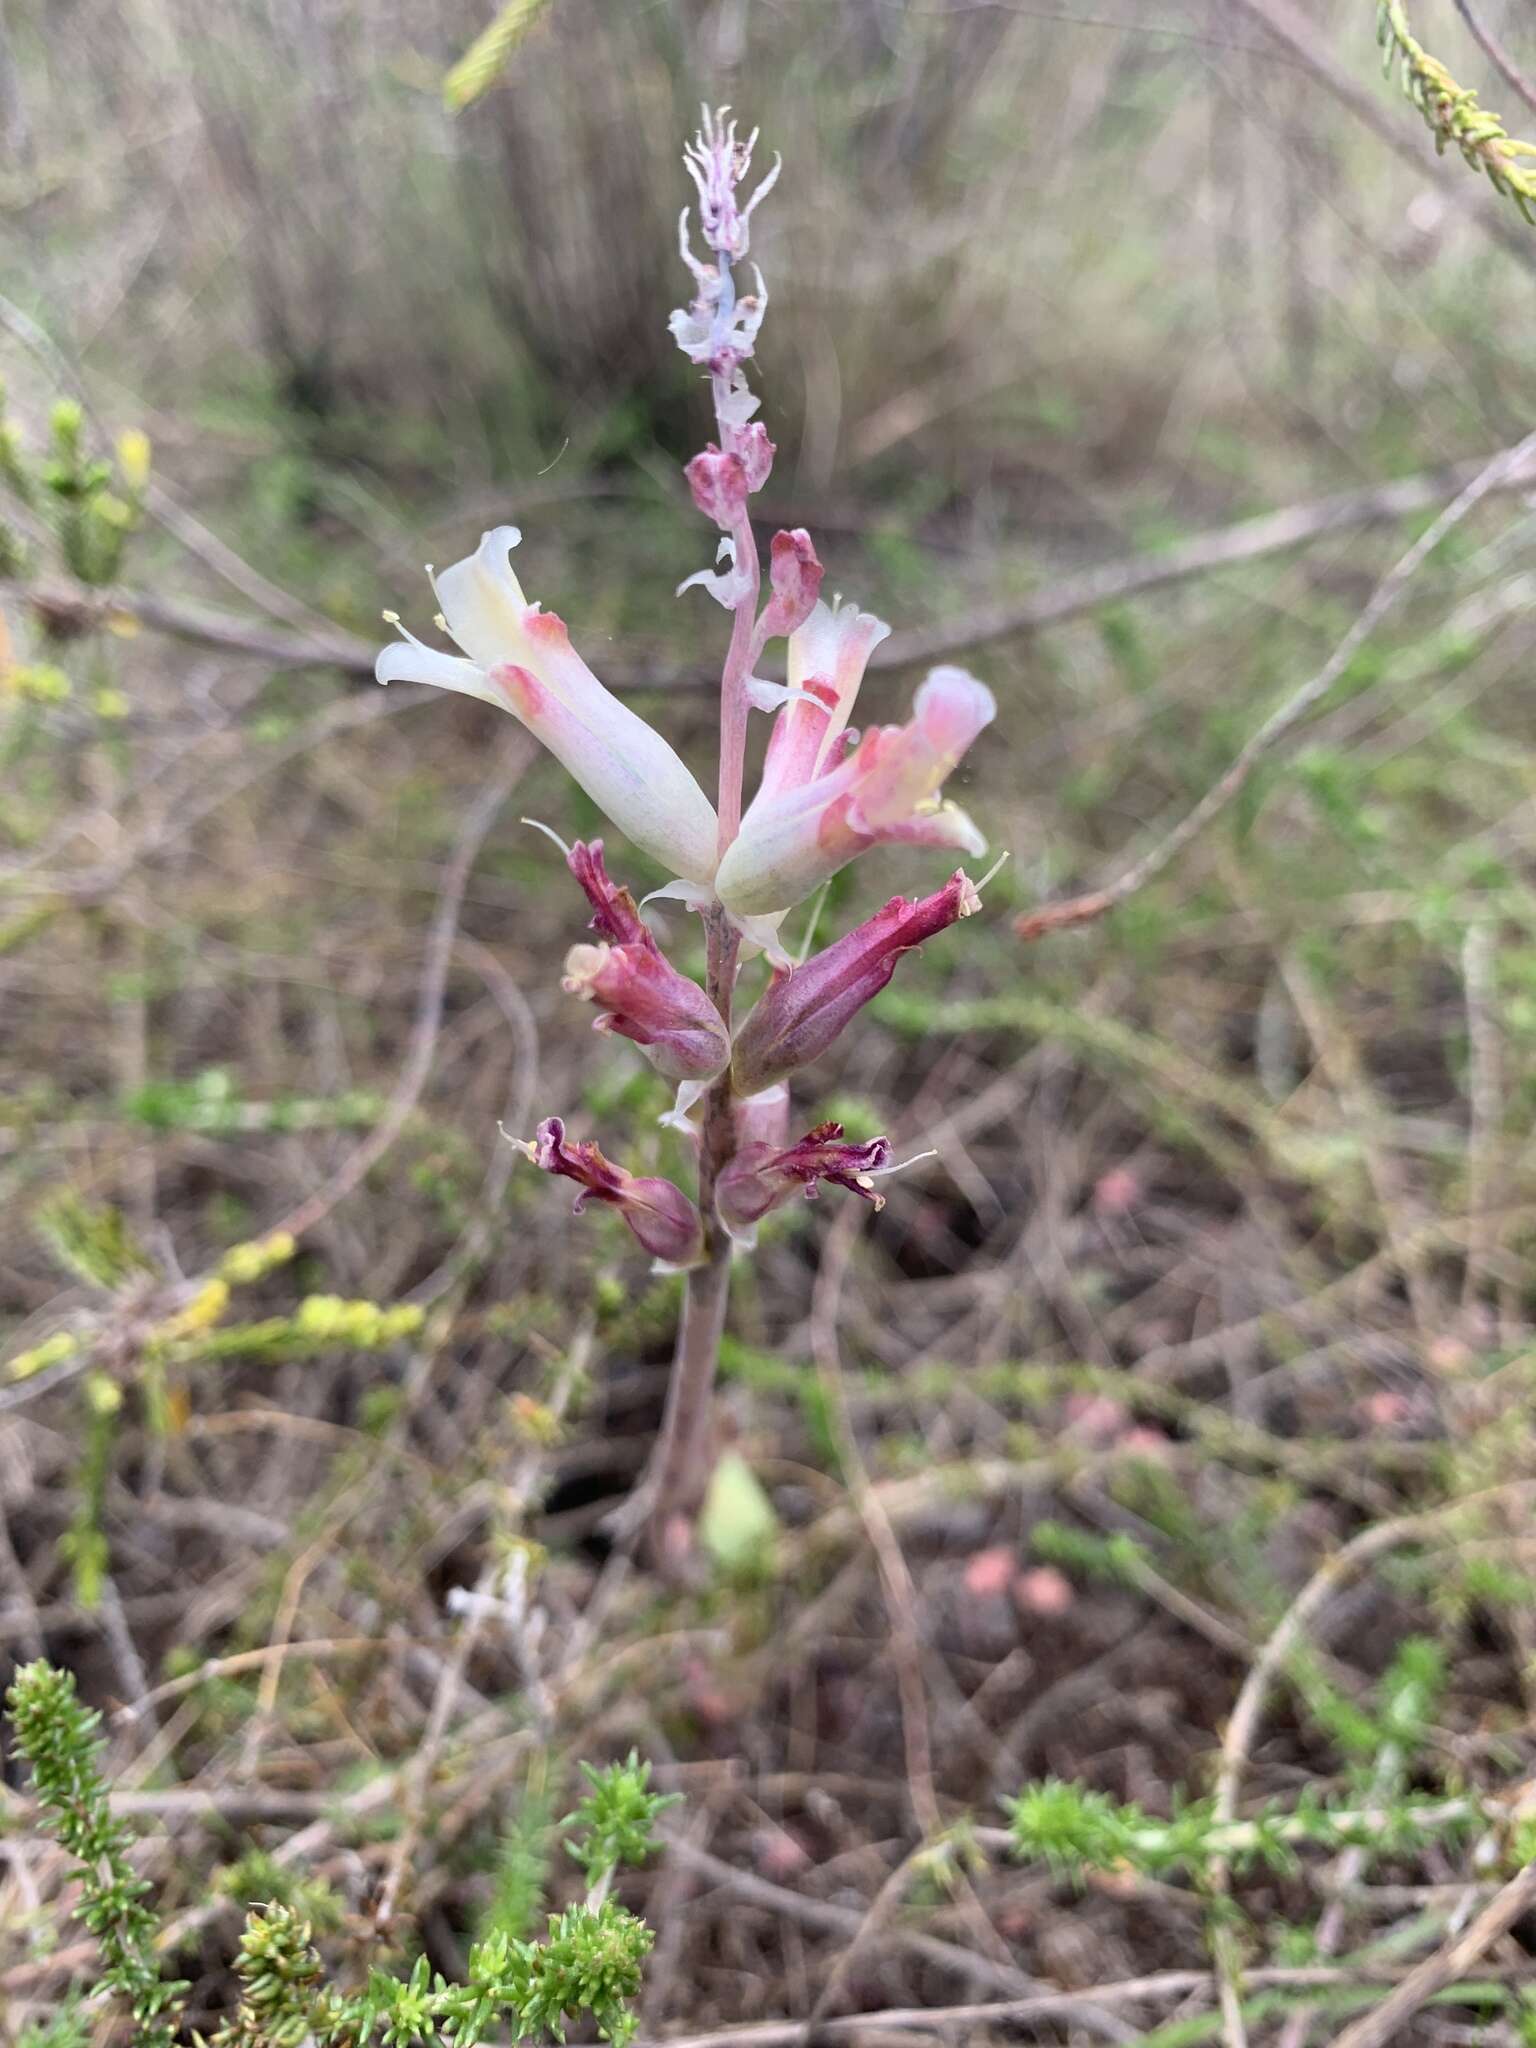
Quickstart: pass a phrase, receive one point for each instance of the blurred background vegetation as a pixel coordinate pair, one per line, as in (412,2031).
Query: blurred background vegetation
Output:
(1224,1255)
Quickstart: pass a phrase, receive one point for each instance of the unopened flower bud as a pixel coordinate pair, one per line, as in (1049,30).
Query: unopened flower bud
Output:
(795,576)
(761,1178)
(658,1212)
(614,914)
(719,328)
(644,997)
(805,1008)
(719,484)
(756,452)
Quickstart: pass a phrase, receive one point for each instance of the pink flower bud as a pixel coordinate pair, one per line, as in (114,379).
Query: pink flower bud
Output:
(719,485)
(804,1009)
(643,995)
(614,914)
(658,1212)
(795,575)
(756,452)
(759,1178)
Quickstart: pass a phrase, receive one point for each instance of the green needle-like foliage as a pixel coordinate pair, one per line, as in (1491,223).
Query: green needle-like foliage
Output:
(1076,1830)
(57,1736)
(588,1964)
(1452,111)
(616,1818)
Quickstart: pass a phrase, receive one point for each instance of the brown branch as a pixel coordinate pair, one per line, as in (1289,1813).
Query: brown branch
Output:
(429,1007)
(1223,547)
(896,1585)
(1497,55)
(829,1917)
(1297,34)
(1389,592)
(1448,1965)
(953,2021)
(1243,1726)
(72,612)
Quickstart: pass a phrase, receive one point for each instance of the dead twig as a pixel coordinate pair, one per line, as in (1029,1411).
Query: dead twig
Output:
(895,1578)
(1389,592)
(1067,597)
(954,2021)
(1497,55)
(1448,1965)
(478,820)
(1247,1714)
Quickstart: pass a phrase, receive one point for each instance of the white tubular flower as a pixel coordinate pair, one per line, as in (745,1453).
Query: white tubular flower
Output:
(520,658)
(793,837)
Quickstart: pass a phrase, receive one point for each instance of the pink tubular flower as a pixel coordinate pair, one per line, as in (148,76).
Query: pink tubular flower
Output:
(794,575)
(827,657)
(521,659)
(759,1178)
(793,838)
(644,996)
(658,1212)
(805,1009)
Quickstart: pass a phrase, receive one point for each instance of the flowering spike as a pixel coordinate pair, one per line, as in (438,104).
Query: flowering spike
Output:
(720,329)
(658,1212)
(804,1010)
(827,794)
(792,839)
(521,658)
(718,163)
(760,1178)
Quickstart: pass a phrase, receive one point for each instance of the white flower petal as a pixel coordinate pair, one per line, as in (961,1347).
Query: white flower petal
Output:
(689,1093)
(483,601)
(761,935)
(692,895)
(407,661)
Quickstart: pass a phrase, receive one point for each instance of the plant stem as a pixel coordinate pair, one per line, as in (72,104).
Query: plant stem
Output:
(679,1467)
(734,707)
(680,1463)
